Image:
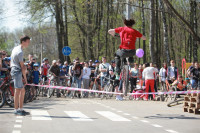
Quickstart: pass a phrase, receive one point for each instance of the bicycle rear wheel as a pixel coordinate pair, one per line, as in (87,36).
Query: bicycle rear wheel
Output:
(125,79)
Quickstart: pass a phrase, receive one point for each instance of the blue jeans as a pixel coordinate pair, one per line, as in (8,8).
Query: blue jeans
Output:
(78,81)
(195,84)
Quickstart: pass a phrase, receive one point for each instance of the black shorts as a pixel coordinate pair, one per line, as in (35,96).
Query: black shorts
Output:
(116,83)
(92,79)
(44,77)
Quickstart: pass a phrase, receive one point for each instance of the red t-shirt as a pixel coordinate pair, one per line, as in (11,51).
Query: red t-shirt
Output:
(45,69)
(128,37)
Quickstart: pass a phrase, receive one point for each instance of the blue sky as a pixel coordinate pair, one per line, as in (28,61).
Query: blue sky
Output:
(11,17)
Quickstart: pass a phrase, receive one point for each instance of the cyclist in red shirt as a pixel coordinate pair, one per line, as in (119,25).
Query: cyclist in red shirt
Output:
(128,37)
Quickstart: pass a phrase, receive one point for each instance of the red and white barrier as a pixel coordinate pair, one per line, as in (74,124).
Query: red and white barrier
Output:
(87,90)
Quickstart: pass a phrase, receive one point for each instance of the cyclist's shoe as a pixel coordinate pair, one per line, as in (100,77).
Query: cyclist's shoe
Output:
(26,113)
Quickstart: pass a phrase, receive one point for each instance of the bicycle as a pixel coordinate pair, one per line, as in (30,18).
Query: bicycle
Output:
(53,82)
(108,88)
(95,87)
(7,92)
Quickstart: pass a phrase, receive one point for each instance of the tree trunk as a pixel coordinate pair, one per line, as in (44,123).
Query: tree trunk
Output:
(58,30)
(165,32)
(194,13)
(143,32)
(107,25)
(152,33)
(191,30)
(89,34)
(66,42)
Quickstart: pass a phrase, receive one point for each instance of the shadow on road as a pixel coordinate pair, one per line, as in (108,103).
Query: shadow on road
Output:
(170,116)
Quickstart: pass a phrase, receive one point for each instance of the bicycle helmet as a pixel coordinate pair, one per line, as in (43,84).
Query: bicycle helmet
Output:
(96,61)
(36,65)
(7,59)
(113,61)
(64,67)
(45,59)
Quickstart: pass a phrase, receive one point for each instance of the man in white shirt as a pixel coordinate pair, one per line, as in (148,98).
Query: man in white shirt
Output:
(148,75)
(103,68)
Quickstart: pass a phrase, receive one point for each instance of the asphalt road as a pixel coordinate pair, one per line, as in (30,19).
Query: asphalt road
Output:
(98,116)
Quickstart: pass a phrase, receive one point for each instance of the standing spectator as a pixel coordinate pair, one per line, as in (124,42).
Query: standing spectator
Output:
(17,70)
(86,78)
(97,74)
(189,75)
(78,72)
(163,74)
(92,73)
(4,67)
(54,71)
(112,75)
(148,75)
(44,71)
(195,72)
(71,72)
(155,76)
(103,68)
(59,64)
(0,63)
(30,57)
(172,72)
(67,66)
(134,76)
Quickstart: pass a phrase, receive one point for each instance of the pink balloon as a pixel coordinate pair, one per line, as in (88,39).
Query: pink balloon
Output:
(139,53)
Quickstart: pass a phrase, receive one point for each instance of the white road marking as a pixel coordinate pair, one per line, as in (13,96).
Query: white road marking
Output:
(16,131)
(40,115)
(155,125)
(113,109)
(18,121)
(126,114)
(119,111)
(135,117)
(17,126)
(145,121)
(112,116)
(19,117)
(171,131)
(77,116)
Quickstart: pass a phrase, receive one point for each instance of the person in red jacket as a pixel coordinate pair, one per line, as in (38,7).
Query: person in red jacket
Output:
(128,37)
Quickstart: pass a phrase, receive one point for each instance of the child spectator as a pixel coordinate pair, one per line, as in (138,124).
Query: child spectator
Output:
(134,76)
(35,73)
(86,78)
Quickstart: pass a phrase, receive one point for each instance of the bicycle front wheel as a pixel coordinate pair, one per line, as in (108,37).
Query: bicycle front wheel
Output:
(2,98)
(125,79)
